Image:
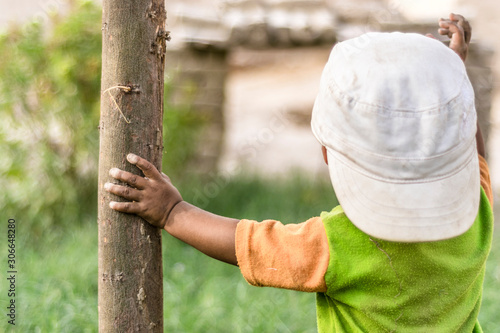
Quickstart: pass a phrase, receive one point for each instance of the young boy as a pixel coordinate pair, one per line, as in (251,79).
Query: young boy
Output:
(406,249)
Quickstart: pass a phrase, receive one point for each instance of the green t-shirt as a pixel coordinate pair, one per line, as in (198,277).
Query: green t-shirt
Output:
(380,286)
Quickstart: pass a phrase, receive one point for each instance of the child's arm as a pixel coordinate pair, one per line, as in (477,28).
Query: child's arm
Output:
(481,147)
(156,200)
(459,30)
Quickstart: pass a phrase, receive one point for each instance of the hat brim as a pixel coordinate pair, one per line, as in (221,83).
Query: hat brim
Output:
(410,212)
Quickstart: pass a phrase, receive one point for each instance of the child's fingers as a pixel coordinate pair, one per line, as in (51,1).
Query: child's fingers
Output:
(464,24)
(129,178)
(444,28)
(445,32)
(147,168)
(445,24)
(449,28)
(125,207)
(457,18)
(123,191)
(460,20)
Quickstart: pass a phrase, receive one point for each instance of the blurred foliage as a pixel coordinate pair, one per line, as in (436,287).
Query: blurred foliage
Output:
(182,126)
(49,106)
(291,199)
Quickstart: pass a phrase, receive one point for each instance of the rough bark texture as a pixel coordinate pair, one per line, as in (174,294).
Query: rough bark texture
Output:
(130,263)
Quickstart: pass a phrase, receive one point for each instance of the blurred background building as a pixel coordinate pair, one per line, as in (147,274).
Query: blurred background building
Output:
(271,54)
(252,67)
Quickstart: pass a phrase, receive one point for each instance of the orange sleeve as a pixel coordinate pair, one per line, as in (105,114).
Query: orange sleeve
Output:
(485,178)
(292,256)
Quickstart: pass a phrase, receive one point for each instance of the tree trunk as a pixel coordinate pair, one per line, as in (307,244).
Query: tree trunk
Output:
(130,262)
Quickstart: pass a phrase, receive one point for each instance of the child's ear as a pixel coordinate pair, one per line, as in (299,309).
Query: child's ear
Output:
(325,155)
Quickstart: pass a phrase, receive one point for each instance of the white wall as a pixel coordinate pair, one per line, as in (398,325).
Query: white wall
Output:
(428,10)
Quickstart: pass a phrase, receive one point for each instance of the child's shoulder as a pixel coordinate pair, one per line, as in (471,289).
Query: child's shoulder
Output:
(338,211)
(338,226)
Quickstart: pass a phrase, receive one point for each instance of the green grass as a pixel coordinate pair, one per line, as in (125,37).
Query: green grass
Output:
(56,286)
(57,280)
(202,295)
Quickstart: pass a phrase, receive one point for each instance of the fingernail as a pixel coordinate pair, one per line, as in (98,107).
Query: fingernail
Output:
(107,186)
(111,204)
(113,172)
(132,158)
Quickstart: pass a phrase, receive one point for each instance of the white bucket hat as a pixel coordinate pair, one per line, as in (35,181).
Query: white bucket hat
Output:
(396,114)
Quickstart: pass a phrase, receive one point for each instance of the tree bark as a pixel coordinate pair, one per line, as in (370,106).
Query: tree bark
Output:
(130,263)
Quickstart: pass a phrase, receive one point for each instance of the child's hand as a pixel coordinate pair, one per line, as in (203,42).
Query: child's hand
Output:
(152,197)
(458,29)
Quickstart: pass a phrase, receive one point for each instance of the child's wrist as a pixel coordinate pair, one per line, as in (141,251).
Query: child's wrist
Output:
(169,215)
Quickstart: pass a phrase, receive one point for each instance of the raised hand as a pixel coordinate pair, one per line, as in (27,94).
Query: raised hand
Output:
(459,30)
